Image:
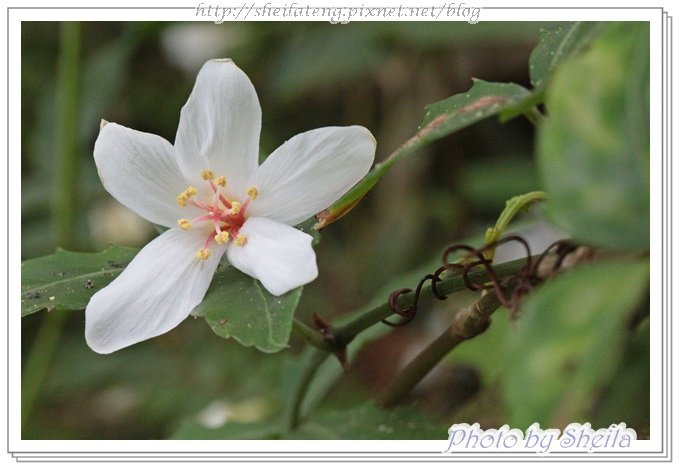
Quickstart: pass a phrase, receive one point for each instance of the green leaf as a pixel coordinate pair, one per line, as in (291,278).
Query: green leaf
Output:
(593,150)
(66,280)
(238,306)
(556,45)
(368,422)
(568,342)
(483,100)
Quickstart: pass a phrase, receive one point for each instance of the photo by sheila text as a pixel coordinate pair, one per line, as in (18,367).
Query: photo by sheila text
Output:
(575,438)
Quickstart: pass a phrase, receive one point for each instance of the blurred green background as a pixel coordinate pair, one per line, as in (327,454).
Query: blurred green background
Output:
(307,75)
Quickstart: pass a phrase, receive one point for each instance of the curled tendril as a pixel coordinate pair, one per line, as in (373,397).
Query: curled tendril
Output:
(561,248)
(455,248)
(410,312)
(522,282)
(437,277)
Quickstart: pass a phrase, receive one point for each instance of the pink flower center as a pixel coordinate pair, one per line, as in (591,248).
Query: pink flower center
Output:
(224,215)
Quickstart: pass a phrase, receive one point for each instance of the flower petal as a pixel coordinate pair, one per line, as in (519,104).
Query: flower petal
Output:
(280,256)
(309,172)
(219,127)
(140,171)
(158,289)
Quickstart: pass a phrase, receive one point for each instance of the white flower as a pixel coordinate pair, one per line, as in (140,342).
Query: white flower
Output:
(209,188)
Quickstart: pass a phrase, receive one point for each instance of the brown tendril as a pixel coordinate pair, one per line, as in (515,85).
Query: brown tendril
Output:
(522,282)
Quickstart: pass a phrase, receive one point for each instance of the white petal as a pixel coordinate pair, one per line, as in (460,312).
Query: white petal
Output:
(310,172)
(156,291)
(280,256)
(219,127)
(140,171)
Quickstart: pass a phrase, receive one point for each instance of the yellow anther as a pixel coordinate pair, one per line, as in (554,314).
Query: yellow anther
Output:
(186,195)
(235,207)
(222,237)
(221,181)
(240,240)
(203,254)
(207,175)
(251,192)
(184,224)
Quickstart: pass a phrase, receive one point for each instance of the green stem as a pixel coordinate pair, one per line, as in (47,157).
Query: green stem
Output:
(534,116)
(468,323)
(345,334)
(310,371)
(64,210)
(311,336)
(66,200)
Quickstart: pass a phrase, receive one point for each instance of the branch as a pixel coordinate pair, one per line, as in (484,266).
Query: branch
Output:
(473,321)
(344,335)
(468,323)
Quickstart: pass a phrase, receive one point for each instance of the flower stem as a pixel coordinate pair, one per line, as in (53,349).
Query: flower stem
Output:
(64,210)
(468,323)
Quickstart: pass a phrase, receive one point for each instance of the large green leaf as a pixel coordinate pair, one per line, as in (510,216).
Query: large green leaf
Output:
(556,45)
(483,100)
(568,342)
(238,306)
(368,422)
(66,280)
(593,151)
